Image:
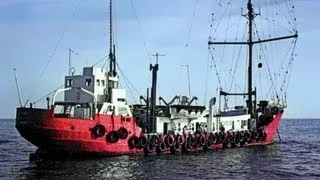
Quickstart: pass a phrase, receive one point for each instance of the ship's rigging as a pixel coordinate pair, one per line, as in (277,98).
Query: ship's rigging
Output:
(255,39)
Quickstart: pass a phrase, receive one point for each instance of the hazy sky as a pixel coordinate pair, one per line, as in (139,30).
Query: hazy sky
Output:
(35,32)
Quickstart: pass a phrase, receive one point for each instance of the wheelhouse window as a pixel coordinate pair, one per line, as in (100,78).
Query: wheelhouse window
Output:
(88,82)
(102,83)
(98,82)
(72,110)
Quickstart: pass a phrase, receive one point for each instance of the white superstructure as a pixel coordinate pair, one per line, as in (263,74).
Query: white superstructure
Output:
(93,79)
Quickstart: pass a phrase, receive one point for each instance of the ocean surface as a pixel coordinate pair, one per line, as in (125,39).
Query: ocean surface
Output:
(296,156)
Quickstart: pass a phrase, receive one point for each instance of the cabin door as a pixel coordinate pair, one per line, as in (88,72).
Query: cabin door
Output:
(165,128)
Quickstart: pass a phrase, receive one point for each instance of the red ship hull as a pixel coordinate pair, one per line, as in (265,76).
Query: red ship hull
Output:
(71,135)
(39,127)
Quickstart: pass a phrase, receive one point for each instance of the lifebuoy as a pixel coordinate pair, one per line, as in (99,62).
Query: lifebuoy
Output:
(123,133)
(112,137)
(98,130)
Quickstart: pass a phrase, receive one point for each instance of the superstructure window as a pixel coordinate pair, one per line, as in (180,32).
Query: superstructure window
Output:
(102,83)
(243,123)
(69,82)
(88,82)
(98,82)
(122,110)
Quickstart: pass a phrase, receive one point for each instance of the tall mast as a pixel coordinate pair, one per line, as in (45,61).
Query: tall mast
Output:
(250,44)
(154,68)
(112,56)
(112,74)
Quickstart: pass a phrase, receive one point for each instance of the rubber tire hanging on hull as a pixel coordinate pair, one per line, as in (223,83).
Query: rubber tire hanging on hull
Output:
(112,137)
(123,133)
(143,141)
(185,147)
(169,140)
(133,141)
(98,130)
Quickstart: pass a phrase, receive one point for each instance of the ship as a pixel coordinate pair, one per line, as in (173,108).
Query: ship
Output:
(94,118)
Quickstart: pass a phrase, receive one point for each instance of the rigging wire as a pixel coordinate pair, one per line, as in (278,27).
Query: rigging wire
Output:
(191,24)
(145,44)
(219,4)
(60,39)
(105,57)
(239,53)
(280,63)
(226,35)
(126,78)
(130,91)
(234,51)
(75,10)
(281,11)
(265,58)
(215,66)
(277,63)
(289,66)
(206,80)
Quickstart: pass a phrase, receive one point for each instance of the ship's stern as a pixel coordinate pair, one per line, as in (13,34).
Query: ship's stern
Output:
(29,122)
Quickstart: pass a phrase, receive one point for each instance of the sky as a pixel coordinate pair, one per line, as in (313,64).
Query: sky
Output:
(35,36)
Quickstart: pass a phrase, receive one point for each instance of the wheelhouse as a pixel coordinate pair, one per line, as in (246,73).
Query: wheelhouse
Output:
(73,110)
